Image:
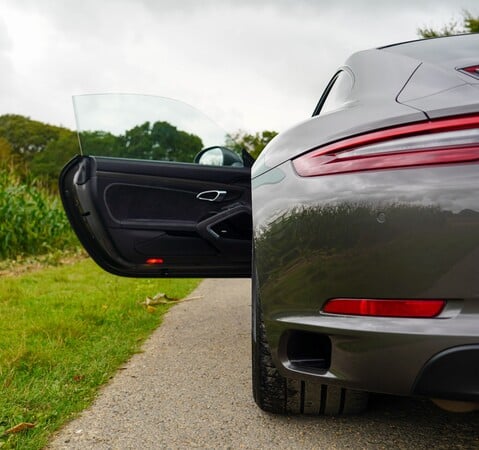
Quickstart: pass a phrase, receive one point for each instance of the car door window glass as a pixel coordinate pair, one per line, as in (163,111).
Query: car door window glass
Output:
(147,127)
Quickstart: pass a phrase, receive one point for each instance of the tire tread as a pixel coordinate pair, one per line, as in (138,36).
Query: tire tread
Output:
(276,394)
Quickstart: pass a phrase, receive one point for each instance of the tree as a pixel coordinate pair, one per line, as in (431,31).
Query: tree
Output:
(47,164)
(6,152)
(27,136)
(39,150)
(100,143)
(470,24)
(159,141)
(252,143)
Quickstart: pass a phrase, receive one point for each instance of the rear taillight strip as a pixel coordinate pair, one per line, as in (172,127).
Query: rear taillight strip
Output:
(329,166)
(333,158)
(426,308)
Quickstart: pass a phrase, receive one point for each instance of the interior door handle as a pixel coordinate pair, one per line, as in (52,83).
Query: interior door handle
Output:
(211,196)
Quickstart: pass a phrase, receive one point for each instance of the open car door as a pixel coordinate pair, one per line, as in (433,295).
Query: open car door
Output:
(156,192)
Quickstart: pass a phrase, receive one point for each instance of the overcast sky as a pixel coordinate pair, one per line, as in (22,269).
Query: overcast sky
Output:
(248,64)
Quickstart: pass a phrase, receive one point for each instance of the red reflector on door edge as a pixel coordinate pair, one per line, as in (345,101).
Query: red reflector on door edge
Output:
(384,308)
(154,261)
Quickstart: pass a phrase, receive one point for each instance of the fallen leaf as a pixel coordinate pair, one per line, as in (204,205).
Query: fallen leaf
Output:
(78,377)
(20,427)
(150,309)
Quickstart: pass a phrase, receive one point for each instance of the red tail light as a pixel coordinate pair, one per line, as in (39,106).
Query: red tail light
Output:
(471,70)
(384,308)
(444,141)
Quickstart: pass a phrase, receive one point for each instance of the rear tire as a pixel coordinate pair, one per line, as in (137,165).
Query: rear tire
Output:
(280,395)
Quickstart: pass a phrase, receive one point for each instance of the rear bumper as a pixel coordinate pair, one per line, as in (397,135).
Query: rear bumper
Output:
(451,374)
(424,357)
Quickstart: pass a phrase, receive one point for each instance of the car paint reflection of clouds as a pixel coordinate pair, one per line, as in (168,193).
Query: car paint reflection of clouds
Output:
(407,189)
(376,188)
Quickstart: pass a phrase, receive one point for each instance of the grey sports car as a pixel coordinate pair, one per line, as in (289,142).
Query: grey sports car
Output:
(358,226)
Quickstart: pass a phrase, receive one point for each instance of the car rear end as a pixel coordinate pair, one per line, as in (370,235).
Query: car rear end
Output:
(367,244)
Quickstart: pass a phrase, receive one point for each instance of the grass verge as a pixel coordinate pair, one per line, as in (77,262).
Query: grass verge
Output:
(26,264)
(65,330)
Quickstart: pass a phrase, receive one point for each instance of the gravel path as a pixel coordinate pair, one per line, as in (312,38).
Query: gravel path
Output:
(191,388)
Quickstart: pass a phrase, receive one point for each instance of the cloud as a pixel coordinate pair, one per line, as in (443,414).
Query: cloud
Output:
(8,71)
(248,64)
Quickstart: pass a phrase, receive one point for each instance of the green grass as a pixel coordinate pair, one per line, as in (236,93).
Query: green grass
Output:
(64,332)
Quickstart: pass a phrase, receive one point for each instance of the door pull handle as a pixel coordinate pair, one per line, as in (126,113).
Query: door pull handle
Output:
(211,196)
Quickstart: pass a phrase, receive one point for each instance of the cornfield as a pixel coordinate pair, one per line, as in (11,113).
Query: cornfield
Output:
(32,220)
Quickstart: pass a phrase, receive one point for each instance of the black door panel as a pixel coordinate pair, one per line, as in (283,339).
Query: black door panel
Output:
(155,219)
(128,203)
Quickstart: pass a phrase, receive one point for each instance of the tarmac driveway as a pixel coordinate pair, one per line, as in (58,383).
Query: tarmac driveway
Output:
(191,388)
